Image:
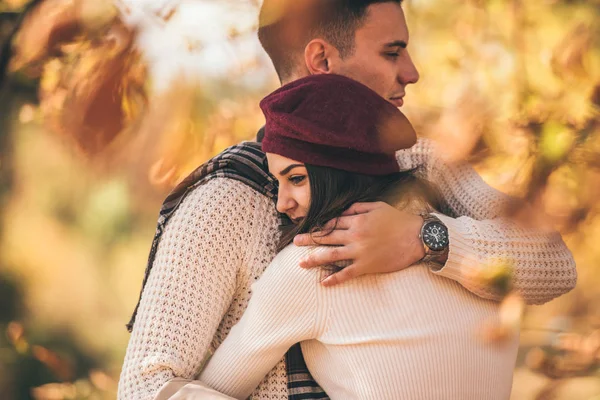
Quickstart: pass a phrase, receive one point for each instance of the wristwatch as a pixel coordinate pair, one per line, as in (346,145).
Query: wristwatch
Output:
(434,235)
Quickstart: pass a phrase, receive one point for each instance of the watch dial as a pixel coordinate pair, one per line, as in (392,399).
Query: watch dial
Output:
(435,236)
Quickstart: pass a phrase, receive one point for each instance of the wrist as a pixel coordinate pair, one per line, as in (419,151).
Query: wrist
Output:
(434,237)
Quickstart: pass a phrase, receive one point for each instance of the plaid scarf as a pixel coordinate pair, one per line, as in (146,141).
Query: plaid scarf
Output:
(246,163)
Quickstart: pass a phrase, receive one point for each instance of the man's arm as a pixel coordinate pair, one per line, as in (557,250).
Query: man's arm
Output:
(376,235)
(191,285)
(482,236)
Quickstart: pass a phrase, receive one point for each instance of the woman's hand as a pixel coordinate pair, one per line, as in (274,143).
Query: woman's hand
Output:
(375,236)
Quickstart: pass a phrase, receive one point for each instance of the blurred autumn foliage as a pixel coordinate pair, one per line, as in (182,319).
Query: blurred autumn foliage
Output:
(105,105)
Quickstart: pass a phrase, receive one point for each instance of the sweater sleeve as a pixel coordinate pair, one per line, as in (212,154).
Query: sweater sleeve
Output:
(191,285)
(543,266)
(286,308)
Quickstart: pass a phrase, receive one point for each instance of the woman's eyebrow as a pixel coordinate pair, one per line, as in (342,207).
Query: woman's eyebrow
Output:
(289,168)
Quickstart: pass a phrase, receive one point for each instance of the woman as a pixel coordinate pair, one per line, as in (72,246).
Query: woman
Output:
(330,142)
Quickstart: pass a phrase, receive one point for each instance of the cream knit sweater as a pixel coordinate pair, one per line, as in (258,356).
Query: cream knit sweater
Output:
(401,336)
(223,236)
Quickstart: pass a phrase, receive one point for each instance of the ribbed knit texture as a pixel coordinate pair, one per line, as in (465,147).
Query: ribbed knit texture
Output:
(223,236)
(405,335)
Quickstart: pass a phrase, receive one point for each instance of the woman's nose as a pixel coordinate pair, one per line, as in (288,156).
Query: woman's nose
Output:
(284,203)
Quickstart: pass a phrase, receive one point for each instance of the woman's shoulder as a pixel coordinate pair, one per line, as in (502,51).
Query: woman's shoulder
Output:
(287,264)
(292,254)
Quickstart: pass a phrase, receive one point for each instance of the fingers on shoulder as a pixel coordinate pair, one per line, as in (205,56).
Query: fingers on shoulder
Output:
(326,255)
(341,276)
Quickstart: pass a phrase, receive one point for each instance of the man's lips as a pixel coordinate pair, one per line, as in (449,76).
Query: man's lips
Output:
(398,101)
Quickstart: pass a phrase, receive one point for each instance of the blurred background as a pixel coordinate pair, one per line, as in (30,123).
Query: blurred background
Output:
(105,105)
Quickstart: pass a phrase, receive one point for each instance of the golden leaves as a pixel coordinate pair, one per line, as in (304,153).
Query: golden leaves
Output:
(13,4)
(272,11)
(86,102)
(181,128)
(58,365)
(521,91)
(92,79)
(96,15)
(573,354)
(498,275)
(569,57)
(556,141)
(62,367)
(508,325)
(101,380)
(50,24)
(27,113)
(54,391)
(15,333)
(494,274)
(459,130)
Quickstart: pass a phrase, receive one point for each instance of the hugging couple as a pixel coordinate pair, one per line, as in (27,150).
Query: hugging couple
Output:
(334,258)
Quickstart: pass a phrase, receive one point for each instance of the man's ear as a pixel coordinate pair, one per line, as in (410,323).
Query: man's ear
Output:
(317,56)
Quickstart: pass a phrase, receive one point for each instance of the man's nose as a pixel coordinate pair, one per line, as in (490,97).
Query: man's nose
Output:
(407,71)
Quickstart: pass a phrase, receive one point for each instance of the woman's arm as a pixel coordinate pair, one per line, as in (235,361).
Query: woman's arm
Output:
(543,267)
(286,307)
(191,285)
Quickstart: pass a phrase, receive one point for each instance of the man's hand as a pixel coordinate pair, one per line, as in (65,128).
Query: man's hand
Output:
(375,236)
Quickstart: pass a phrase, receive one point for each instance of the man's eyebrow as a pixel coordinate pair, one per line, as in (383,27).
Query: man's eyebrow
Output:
(289,168)
(397,43)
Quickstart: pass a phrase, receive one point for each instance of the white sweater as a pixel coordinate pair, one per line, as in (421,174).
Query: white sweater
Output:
(405,335)
(223,236)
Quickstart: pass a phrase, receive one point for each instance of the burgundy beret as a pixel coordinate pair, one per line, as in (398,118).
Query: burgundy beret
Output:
(333,121)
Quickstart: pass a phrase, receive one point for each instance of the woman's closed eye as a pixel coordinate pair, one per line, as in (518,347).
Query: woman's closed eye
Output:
(297,179)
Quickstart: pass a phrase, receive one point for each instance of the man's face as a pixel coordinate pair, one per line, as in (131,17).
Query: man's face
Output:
(294,187)
(380,59)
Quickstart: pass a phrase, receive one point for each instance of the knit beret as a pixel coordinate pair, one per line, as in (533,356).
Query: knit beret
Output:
(333,121)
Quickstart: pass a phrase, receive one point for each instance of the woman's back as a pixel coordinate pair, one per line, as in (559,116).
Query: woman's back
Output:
(404,335)
(408,335)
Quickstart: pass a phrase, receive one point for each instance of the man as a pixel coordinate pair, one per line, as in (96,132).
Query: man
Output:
(222,230)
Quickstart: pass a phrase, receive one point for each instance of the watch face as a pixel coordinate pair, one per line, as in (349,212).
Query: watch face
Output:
(435,236)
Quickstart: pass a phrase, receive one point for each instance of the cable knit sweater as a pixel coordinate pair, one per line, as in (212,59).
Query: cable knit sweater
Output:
(223,236)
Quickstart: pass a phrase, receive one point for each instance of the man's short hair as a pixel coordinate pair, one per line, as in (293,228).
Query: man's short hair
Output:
(286,27)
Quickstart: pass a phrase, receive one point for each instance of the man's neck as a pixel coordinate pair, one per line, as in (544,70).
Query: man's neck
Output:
(295,77)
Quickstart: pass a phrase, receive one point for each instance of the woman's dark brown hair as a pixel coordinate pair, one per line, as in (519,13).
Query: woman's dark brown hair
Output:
(332,191)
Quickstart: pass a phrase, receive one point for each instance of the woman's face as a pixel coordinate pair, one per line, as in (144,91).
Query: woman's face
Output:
(294,187)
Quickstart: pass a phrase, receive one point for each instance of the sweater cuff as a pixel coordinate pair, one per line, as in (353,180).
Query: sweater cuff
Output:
(462,264)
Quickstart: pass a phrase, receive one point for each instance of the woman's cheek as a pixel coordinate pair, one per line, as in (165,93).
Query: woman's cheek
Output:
(304,196)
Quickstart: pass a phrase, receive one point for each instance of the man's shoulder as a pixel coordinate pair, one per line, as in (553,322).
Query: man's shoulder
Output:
(229,188)
(223,199)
